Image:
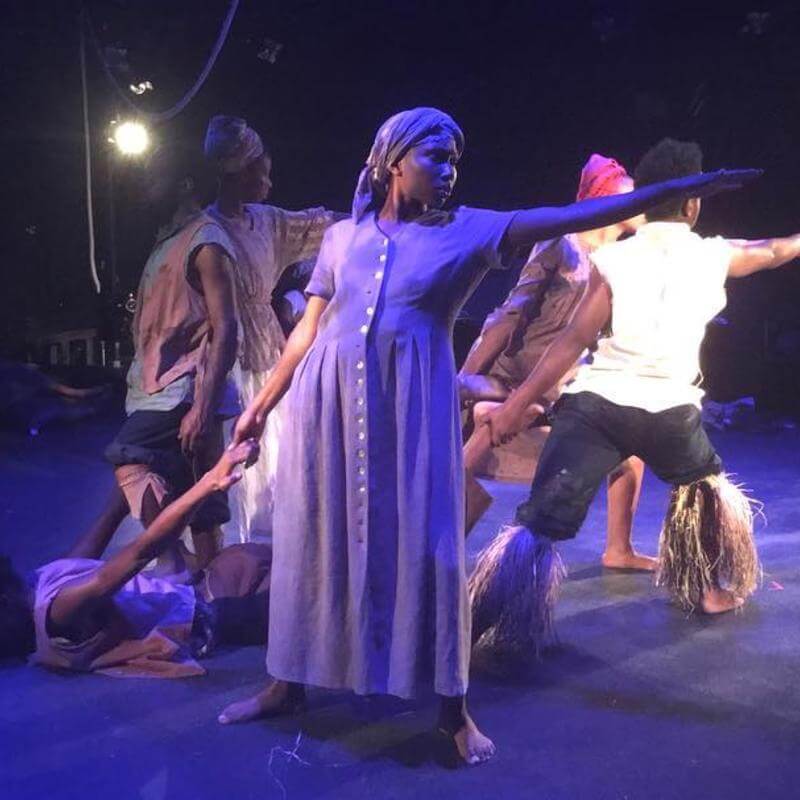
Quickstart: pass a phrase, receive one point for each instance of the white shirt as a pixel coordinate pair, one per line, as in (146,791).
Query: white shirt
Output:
(667,283)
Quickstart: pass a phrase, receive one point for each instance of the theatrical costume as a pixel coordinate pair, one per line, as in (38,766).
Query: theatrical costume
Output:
(152,628)
(266,241)
(550,286)
(171,332)
(369,584)
(515,335)
(639,396)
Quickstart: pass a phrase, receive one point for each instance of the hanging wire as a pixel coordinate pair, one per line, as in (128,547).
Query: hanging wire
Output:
(162,116)
(88,162)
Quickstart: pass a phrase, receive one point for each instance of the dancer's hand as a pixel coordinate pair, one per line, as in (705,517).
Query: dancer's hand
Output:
(722,180)
(250,425)
(193,429)
(509,419)
(224,474)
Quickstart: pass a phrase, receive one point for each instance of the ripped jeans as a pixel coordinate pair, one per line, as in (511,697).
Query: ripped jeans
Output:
(591,436)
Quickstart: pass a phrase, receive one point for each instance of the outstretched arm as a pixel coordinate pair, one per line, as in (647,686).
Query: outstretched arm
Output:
(535,224)
(80,596)
(250,424)
(588,320)
(755,256)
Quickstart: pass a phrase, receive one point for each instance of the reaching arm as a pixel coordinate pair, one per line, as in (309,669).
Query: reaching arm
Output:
(251,423)
(216,280)
(755,256)
(81,596)
(535,224)
(588,320)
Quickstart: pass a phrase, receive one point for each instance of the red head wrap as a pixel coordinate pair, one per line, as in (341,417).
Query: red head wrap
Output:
(601,177)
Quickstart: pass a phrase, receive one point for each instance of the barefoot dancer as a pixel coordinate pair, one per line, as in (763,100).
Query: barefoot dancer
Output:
(515,336)
(639,396)
(266,240)
(369,584)
(85,614)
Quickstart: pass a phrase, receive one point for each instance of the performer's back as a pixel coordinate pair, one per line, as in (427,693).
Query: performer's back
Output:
(667,283)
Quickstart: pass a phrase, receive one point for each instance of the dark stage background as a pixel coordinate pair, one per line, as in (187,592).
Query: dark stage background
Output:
(536,86)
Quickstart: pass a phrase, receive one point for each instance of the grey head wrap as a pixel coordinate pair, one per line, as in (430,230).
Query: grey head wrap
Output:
(394,139)
(231,144)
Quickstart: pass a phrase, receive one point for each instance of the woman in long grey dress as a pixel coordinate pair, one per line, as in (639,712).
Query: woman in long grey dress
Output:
(369,582)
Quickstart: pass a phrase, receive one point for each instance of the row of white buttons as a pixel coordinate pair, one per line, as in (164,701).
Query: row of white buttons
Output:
(360,418)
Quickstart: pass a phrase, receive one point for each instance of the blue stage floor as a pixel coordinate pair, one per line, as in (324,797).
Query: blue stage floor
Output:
(638,703)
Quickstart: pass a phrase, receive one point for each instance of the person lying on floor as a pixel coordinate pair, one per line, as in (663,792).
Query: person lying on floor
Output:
(30,399)
(85,614)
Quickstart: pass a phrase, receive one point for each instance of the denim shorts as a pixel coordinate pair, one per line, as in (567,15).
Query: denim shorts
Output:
(151,438)
(590,437)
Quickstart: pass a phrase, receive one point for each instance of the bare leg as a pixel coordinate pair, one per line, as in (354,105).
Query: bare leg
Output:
(475,452)
(207,546)
(94,542)
(207,535)
(278,697)
(455,721)
(170,563)
(624,487)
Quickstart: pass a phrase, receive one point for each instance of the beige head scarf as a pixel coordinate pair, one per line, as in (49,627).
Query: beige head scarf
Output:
(394,139)
(231,144)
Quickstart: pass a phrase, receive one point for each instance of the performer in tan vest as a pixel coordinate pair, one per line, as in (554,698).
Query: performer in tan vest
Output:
(185,334)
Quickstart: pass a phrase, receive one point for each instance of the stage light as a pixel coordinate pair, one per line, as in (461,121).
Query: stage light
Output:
(141,87)
(131,138)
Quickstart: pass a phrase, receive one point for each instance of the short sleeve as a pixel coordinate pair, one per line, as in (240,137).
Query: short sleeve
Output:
(322,283)
(210,233)
(487,231)
(719,253)
(603,258)
(525,299)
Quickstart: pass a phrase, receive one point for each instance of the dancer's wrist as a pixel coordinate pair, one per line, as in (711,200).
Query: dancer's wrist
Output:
(519,400)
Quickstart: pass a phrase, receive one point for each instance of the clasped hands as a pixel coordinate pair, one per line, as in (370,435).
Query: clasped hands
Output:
(508,419)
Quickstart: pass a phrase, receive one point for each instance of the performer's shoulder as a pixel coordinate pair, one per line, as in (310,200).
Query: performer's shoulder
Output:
(615,256)
(567,244)
(344,227)
(207,229)
(613,250)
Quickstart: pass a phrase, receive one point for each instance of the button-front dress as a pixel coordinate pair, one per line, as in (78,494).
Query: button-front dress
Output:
(369,581)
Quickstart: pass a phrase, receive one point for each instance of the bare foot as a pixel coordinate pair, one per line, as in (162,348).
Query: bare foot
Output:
(629,559)
(472,745)
(718,601)
(275,699)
